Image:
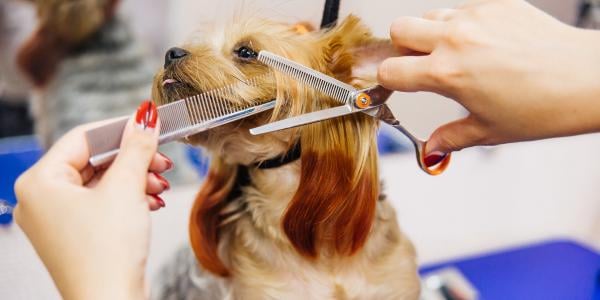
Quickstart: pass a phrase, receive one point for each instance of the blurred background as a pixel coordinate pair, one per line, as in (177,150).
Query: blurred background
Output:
(489,199)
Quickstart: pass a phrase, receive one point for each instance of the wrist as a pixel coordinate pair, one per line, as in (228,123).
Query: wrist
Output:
(585,75)
(568,93)
(594,37)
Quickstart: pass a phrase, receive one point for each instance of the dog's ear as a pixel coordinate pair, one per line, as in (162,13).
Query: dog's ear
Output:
(353,53)
(303,27)
(334,206)
(206,216)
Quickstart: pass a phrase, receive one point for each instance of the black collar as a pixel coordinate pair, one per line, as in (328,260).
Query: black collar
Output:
(243,176)
(292,155)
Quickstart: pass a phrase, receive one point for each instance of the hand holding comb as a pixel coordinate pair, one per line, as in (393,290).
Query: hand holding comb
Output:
(178,119)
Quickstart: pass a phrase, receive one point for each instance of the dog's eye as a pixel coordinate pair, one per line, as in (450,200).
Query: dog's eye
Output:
(245,53)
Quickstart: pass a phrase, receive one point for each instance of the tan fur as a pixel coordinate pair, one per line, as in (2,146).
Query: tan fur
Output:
(259,260)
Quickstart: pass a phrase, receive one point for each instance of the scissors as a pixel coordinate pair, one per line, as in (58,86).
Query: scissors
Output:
(371,101)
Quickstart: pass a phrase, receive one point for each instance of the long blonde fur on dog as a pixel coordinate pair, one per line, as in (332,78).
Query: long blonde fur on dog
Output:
(315,228)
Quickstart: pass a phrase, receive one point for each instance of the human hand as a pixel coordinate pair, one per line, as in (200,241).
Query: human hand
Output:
(91,228)
(520,73)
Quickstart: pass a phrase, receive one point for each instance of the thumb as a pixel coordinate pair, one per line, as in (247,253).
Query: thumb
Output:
(454,136)
(139,144)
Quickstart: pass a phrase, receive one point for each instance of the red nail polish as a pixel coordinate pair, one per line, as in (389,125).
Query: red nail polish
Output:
(434,158)
(159,200)
(165,184)
(168,160)
(146,115)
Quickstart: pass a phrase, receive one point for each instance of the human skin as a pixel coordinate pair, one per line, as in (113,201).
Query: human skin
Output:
(91,228)
(521,74)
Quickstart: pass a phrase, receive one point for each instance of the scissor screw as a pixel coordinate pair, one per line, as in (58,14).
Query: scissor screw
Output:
(362,100)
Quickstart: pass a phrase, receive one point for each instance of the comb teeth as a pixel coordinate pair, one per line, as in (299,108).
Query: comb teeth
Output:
(179,119)
(331,87)
(174,116)
(218,102)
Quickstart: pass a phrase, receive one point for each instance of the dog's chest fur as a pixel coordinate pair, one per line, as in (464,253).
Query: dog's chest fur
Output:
(264,264)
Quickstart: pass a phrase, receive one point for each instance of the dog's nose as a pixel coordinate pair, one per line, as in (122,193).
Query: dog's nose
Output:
(173,55)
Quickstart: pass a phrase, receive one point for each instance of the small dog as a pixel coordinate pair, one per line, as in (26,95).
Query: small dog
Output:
(267,226)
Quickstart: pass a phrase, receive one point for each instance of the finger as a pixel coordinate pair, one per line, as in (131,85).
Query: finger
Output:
(95,179)
(155,202)
(407,73)
(444,14)
(455,136)
(140,140)
(87,174)
(417,34)
(156,184)
(72,148)
(160,163)
(68,157)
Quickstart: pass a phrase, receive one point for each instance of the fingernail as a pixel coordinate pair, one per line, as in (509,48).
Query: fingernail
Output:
(159,200)
(165,184)
(434,158)
(146,115)
(167,160)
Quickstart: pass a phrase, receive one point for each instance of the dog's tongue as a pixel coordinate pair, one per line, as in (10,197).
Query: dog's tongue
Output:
(169,81)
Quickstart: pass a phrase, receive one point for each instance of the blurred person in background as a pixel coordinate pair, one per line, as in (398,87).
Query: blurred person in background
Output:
(85,65)
(16,20)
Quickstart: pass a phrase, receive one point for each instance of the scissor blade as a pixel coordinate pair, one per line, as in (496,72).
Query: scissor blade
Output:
(327,85)
(308,118)
(373,111)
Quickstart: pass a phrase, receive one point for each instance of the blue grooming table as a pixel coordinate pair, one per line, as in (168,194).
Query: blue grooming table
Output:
(16,156)
(559,269)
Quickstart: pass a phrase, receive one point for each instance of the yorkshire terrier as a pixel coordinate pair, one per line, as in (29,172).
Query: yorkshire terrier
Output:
(264,224)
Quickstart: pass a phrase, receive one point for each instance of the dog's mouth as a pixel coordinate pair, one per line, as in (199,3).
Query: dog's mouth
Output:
(169,81)
(175,89)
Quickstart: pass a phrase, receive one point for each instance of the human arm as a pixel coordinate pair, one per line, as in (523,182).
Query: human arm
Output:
(91,227)
(520,73)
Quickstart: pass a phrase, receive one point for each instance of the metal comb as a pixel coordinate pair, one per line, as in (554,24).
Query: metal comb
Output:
(329,86)
(178,119)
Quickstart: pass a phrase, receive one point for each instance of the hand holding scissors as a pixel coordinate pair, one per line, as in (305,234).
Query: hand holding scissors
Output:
(370,101)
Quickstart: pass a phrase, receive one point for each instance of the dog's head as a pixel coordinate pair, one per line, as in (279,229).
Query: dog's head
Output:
(334,205)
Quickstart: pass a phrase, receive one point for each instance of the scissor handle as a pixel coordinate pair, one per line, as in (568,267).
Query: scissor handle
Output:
(434,169)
